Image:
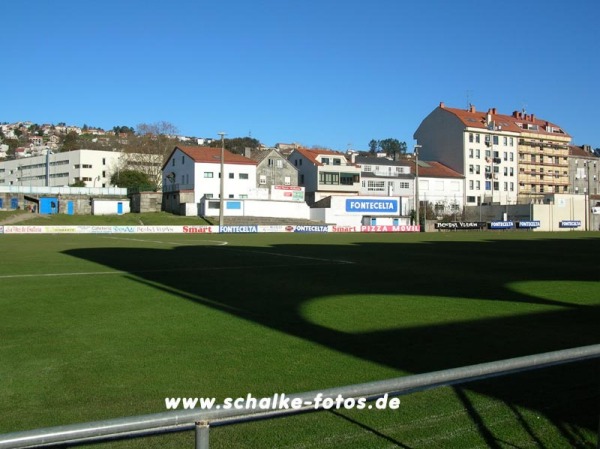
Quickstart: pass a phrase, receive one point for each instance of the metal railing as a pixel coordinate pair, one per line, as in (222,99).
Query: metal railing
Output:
(201,420)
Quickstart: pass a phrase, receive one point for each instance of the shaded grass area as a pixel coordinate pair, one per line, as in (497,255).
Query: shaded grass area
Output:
(177,316)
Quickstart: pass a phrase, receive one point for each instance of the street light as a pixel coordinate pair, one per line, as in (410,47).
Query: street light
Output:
(222,188)
(418,204)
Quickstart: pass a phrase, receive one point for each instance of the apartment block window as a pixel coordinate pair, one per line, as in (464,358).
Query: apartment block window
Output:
(103,161)
(470,199)
(511,141)
(512,186)
(488,153)
(470,152)
(471,168)
(505,140)
(404,185)
(208,174)
(496,185)
(505,171)
(337,161)
(505,154)
(495,140)
(471,137)
(477,138)
(477,153)
(471,184)
(512,171)
(506,186)
(329,178)
(325,161)
(488,185)
(511,156)
(478,185)
(477,169)
(376,186)
(243,175)
(367,168)
(231,175)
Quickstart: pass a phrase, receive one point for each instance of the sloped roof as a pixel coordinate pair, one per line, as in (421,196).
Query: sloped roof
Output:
(478,119)
(312,154)
(210,155)
(434,169)
(574,150)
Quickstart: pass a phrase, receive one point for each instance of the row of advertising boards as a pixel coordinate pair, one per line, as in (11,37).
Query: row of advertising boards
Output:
(455,225)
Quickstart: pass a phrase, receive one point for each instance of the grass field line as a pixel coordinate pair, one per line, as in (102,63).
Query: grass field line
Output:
(217,242)
(241,250)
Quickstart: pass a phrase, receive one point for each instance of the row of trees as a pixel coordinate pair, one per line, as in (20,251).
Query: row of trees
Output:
(391,147)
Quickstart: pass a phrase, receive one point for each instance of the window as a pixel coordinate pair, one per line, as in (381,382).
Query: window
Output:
(348,179)
(173,162)
(511,156)
(478,169)
(471,185)
(325,160)
(505,171)
(243,175)
(367,168)
(329,178)
(287,181)
(512,171)
(477,139)
(103,161)
(496,185)
(337,161)
(488,153)
(495,140)
(243,197)
(208,174)
(231,175)
(301,179)
(231,196)
(506,186)
(511,142)
(488,185)
(470,199)
(471,169)
(295,162)
(470,137)
(478,185)
(478,154)
(505,140)
(262,179)
(182,160)
(471,152)
(376,186)
(505,154)
(404,185)
(512,186)
(279,163)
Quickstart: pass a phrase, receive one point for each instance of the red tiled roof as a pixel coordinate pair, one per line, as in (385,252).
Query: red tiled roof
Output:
(210,155)
(434,169)
(478,119)
(574,150)
(312,154)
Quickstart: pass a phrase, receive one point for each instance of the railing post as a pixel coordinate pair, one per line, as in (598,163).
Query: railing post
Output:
(202,429)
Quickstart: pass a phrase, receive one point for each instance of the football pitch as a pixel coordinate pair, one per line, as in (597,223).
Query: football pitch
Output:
(105,326)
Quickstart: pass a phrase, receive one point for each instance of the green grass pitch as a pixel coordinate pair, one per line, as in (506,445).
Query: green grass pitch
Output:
(104,326)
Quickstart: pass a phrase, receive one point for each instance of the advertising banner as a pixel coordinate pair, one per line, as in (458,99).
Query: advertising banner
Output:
(502,225)
(372,206)
(570,224)
(528,224)
(461,225)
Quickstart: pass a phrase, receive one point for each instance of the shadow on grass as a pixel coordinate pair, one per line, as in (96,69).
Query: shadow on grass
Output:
(272,285)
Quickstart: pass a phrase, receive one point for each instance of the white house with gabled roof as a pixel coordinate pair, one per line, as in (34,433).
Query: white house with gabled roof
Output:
(191,174)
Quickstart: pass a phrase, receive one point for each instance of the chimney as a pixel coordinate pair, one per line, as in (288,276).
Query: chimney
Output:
(442,105)
(493,111)
(471,108)
(515,114)
(533,117)
(248,152)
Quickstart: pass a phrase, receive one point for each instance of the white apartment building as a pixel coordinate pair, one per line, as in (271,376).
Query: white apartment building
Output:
(95,168)
(481,146)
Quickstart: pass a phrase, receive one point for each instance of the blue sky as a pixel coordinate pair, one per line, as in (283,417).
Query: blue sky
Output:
(329,73)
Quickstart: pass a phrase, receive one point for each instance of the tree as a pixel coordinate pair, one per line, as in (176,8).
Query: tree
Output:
(373,145)
(131,179)
(149,148)
(393,147)
(71,142)
(78,183)
(237,145)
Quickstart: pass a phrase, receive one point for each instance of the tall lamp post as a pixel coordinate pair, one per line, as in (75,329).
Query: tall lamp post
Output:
(222,188)
(417,202)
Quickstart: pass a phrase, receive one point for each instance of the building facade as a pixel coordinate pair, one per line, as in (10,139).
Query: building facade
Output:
(325,173)
(195,172)
(273,169)
(505,159)
(94,168)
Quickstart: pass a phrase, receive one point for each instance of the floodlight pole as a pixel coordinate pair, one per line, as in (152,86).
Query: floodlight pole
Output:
(417,203)
(222,188)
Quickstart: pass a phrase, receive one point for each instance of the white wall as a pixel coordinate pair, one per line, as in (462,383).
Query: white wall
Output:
(109,207)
